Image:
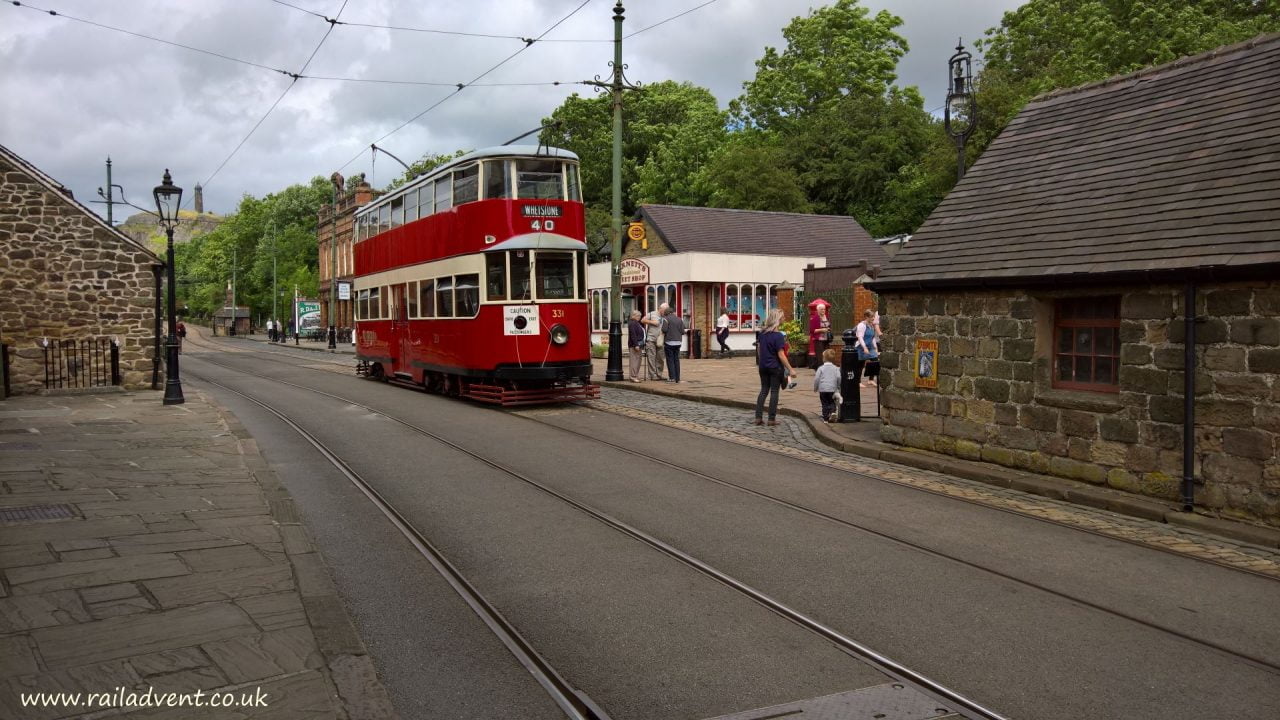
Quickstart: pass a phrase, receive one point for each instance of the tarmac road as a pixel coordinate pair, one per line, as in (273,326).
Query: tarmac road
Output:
(647,638)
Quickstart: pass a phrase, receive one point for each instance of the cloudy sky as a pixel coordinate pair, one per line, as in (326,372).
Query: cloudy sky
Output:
(76,92)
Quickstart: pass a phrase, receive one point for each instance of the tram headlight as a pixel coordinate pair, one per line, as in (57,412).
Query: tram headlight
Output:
(559,334)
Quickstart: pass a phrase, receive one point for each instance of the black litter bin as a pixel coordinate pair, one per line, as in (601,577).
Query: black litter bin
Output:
(695,344)
(850,374)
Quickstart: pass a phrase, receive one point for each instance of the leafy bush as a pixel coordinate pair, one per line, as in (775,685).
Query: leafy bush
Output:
(599,350)
(797,335)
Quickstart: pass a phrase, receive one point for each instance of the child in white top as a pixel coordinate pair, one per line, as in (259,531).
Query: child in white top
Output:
(826,382)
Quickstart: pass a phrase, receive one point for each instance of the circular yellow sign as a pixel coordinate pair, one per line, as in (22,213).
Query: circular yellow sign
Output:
(635,231)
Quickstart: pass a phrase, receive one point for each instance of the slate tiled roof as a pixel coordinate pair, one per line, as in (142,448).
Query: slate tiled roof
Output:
(1173,168)
(840,239)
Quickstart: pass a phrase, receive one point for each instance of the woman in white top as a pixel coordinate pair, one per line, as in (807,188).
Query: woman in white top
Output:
(868,346)
(722,331)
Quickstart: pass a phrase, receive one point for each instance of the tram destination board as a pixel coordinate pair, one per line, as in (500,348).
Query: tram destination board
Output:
(541,210)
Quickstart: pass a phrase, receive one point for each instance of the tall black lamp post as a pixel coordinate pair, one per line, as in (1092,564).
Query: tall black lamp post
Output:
(168,200)
(961,115)
(338,182)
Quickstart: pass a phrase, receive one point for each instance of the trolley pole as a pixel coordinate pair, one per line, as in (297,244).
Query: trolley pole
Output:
(616,88)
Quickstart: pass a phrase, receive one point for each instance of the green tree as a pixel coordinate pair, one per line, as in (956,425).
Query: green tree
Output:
(281,226)
(652,117)
(1050,44)
(751,173)
(847,153)
(835,51)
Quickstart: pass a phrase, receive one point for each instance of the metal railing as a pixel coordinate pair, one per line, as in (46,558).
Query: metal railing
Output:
(82,363)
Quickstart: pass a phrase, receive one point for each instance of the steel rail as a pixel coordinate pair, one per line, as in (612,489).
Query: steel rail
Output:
(573,702)
(971,708)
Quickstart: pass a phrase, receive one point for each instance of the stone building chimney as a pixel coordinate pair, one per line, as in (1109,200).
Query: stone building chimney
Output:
(199,199)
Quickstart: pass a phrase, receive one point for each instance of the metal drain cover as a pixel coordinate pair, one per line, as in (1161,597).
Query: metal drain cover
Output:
(31,513)
(891,701)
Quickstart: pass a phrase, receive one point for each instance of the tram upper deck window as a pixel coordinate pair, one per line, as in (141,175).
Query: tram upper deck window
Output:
(444,189)
(520,275)
(575,184)
(554,271)
(466,295)
(497,179)
(495,274)
(466,184)
(411,205)
(384,218)
(397,212)
(444,297)
(539,179)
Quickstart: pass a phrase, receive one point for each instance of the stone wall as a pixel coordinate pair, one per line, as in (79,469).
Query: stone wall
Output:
(994,400)
(64,274)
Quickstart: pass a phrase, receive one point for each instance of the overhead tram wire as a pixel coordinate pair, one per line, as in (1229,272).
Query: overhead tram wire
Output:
(268,68)
(461,86)
(276,103)
(673,17)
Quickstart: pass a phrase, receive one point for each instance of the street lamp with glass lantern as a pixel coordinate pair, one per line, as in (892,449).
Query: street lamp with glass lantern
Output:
(961,115)
(168,200)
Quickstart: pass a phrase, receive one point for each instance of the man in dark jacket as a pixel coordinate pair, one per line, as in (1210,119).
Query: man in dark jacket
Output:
(673,337)
(635,344)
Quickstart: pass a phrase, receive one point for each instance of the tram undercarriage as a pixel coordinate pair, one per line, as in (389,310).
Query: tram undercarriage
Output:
(489,390)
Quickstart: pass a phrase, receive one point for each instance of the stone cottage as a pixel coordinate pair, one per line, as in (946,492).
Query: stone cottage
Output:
(66,274)
(1039,317)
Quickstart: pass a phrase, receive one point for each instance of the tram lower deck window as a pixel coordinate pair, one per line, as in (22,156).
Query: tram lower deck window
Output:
(495,274)
(555,275)
(444,297)
(427,298)
(466,295)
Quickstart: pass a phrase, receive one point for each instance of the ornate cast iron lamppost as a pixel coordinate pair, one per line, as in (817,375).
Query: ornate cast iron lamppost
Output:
(961,116)
(614,369)
(168,200)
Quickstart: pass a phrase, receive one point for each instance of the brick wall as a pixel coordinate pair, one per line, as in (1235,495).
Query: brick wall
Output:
(994,399)
(67,276)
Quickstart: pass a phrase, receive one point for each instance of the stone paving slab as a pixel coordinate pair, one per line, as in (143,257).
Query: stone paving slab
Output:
(183,568)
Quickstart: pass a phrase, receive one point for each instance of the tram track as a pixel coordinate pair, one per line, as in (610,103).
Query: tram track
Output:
(962,706)
(881,479)
(871,655)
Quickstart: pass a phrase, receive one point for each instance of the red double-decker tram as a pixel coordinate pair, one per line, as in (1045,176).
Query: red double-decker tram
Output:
(471,280)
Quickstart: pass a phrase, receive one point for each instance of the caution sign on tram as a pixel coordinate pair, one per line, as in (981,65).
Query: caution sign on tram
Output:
(520,320)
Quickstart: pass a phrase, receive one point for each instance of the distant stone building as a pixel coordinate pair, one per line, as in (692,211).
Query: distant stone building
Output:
(1047,291)
(65,274)
(335,224)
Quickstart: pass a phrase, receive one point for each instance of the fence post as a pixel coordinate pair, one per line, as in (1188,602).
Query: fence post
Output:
(115,363)
(4,371)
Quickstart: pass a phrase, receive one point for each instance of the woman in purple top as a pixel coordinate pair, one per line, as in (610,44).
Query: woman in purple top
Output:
(771,356)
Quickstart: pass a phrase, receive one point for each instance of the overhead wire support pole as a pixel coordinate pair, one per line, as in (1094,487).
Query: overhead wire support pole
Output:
(614,370)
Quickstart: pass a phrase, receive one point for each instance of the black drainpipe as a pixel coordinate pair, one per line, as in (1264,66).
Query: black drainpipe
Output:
(1189,401)
(155,356)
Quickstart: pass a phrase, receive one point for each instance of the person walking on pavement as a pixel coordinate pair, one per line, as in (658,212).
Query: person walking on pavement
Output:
(654,323)
(722,331)
(868,348)
(826,382)
(635,344)
(673,334)
(271,331)
(772,362)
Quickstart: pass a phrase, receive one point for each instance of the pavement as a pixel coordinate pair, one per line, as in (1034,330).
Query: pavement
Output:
(148,554)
